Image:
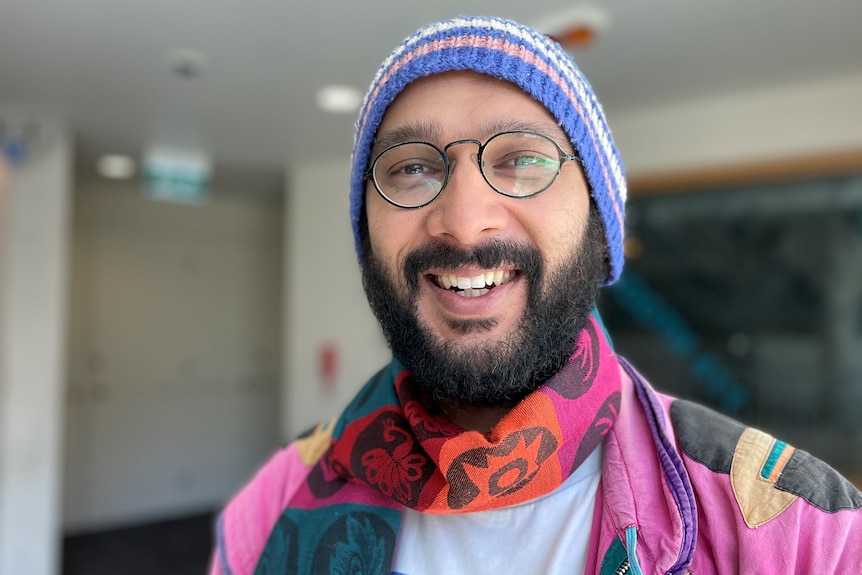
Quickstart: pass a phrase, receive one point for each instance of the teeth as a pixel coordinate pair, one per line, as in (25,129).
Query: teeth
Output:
(470,292)
(475,284)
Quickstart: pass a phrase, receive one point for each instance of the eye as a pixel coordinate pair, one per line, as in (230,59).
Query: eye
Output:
(522,154)
(408,172)
(410,168)
(409,160)
(521,164)
(525,160)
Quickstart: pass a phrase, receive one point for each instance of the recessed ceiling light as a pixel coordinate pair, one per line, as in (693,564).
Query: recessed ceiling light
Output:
(116,167)
(339,99)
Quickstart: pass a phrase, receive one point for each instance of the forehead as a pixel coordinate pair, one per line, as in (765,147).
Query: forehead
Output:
(455,105)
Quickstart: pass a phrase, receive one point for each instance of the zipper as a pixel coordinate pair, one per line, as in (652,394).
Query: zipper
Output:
(623,568)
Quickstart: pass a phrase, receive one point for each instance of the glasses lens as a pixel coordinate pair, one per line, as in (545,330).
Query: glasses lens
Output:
(410,175)
(521,164)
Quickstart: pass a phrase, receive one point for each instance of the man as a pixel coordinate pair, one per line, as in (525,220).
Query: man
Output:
(506,436)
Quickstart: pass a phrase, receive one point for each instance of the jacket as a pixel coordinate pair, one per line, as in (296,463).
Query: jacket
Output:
(683,490)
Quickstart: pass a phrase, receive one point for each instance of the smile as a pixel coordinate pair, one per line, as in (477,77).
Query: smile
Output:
(474,286)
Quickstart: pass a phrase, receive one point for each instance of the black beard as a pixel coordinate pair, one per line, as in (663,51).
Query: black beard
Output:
(497,373)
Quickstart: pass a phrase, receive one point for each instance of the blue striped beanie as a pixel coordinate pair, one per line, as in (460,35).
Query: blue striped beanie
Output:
(531,61)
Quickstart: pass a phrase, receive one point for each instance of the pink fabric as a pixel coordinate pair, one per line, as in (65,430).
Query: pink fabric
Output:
(808,537)
(628,473)
(802,540)
(247,521)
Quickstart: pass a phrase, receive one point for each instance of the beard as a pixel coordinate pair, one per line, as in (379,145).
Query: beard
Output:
(493,373)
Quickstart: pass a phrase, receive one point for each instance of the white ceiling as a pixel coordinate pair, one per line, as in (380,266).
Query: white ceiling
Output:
(102,64)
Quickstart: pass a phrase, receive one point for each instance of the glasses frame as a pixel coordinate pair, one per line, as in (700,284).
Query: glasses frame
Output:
(448,166)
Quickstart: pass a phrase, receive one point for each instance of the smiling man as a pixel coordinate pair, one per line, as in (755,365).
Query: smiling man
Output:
(506,436)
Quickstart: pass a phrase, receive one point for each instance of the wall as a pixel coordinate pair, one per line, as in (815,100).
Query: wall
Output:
(325,302)
(4,224)
(35,230)
(174,351)
(730,129)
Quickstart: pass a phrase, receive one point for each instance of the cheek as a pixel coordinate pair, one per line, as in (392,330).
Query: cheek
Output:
(393,231)
(376,215)
(558,228)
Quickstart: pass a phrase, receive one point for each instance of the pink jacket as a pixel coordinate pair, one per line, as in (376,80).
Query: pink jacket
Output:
(683,490)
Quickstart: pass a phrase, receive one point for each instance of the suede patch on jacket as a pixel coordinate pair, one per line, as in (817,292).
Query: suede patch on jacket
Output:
(767,475)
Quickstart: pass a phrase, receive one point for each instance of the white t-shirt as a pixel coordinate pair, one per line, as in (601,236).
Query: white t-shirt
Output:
(545,536)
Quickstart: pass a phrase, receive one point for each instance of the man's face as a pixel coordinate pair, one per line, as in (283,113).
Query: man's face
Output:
(489,344)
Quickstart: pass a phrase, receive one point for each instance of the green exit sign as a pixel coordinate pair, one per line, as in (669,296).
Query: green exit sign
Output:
(180,177)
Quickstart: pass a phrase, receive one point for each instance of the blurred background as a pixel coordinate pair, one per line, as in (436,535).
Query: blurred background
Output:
(179,294)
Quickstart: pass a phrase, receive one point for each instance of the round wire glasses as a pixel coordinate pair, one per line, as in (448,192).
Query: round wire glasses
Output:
(517,164)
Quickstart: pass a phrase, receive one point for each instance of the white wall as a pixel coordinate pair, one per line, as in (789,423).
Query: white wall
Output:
(4,224)
(325,301)
(35,230)
(786,122)
(5,219)
(175,345)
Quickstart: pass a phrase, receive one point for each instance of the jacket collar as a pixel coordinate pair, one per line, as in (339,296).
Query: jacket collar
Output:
(644,481)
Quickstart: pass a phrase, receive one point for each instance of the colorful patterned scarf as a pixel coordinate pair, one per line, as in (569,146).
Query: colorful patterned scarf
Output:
(393,448)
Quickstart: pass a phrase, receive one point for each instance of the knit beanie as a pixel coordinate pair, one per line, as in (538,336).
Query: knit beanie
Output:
(530,60)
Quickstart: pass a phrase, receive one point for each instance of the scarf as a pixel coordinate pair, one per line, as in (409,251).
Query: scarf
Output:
(392,448)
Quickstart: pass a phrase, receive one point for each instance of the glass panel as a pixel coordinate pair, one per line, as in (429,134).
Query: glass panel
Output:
(750,300)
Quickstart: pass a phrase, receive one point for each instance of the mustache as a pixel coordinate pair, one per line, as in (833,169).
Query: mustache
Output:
(489,255)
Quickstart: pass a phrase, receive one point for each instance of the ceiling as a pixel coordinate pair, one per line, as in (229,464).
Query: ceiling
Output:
(102,65)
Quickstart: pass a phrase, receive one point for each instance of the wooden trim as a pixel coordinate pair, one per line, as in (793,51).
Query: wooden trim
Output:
(761,172)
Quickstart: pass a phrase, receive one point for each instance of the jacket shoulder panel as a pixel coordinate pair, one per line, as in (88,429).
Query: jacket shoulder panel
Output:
(726,446)
(767,475)
(704,435)
(818,484)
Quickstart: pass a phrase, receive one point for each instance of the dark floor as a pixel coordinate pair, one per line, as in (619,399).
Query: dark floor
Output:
(172,547)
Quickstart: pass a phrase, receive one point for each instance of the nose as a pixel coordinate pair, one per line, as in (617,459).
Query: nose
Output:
(468,211)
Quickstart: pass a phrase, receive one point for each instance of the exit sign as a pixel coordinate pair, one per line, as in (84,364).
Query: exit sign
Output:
(177,176)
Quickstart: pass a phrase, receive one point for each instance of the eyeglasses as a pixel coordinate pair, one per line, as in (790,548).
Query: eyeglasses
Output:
(517,164)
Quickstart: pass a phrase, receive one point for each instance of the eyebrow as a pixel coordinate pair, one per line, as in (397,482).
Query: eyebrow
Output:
(414,132)
(430,132)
